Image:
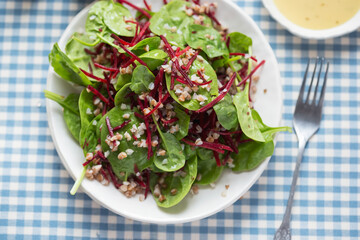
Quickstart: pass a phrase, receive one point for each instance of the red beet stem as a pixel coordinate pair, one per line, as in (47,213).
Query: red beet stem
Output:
(244,55)
(165,2)
(180,81)
(112,176)
(158,104)
(131,54)
(192,59)
(117,38)
(97,93)
(148,7)
(88,51)
(107,120)
(202,145)
(87,162)
(182,51)
(230,142)
(139,115)
(251,73)
(93,76)
(102,171)
(136,8)
(142,32)
(218,146)
(121,125)
(168,47)
(218,98)
(216,155)
(148,139)
(183,73)
(167,122)
(147,183)
(105,68)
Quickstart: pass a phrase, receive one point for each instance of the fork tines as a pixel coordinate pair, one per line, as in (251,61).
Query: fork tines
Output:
(319,72)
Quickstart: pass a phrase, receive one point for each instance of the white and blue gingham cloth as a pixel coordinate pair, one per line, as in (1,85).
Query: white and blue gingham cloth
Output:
(34,186)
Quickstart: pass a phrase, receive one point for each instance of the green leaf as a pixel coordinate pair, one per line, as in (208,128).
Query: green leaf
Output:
(65,68)
(71,111)
(86,108)
(207,39)
(75,51)
(207,168)
(175,158)
(193,104)
(181,183)
(140,47)
(226,113)
(154,58)
(173,16)
(120,95)
(123,79)
(184,121)
(251,155)
(189,151)
(95,20)
(114,19)
(141,79)
(267,132)
(239,42)
(138,157)
(248,124)
(89,139)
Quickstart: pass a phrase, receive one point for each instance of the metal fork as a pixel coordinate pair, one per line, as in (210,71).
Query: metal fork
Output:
(306,121)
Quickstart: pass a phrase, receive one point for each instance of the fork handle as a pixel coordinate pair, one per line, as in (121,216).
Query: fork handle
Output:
(287,215)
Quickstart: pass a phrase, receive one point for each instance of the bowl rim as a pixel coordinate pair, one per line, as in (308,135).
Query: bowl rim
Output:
(349,26)
(147,219)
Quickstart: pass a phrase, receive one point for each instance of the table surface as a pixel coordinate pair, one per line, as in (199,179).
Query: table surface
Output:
(35,202)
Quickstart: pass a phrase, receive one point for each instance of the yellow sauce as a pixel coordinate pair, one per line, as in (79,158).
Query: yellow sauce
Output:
(318,14)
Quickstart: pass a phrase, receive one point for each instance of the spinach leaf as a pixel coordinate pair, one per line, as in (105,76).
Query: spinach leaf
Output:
(139,48)
(141,79)
(75,51)
(71,111)
(89,139)
(175,158)
(172,21)
(95,20)
(267,132)
(120,95)
(189,151)
(251,154)
(122,80)
(207,168)
(207,39)
(239,42)
(65,68)
(139,154)
(114,16)
(193,104)
(154,58)
(171,16)
(226,113)
(248,124)
(182,184)
(184,120)
(86,108)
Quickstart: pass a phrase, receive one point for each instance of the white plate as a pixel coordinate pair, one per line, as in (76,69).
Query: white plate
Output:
(347,27)
(209,201)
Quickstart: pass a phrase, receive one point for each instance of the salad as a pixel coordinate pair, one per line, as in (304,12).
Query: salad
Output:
(167,99)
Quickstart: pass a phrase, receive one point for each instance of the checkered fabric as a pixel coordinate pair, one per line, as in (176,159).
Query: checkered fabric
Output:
(34,186)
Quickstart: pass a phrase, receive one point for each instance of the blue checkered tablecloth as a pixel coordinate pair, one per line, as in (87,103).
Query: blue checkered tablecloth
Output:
(34,186)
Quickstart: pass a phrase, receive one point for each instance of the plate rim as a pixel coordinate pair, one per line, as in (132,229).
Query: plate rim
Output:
(259,170)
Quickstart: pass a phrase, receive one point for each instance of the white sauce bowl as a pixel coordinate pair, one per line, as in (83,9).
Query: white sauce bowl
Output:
(347,27)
